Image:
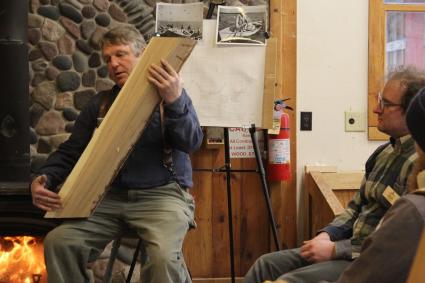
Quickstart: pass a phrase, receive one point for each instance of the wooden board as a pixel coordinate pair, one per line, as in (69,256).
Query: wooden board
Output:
(270,78)
(283,25)
(206,249)
(326,194)
(119,131)
(417,272)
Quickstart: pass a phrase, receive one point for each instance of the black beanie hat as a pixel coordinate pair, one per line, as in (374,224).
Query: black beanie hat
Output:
(415,118)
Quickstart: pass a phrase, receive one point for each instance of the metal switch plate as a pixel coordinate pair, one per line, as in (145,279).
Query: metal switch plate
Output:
(355,122)
(306,123)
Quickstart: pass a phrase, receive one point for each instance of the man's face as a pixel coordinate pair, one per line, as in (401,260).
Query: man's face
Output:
(121,61)
(391,116)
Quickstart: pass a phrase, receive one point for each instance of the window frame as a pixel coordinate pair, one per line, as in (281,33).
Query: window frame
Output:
(376,68)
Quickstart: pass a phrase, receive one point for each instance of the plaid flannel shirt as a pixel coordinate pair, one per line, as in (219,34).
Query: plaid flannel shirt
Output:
(391,169)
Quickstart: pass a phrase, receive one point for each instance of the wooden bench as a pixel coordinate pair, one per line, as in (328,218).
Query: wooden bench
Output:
(327,192)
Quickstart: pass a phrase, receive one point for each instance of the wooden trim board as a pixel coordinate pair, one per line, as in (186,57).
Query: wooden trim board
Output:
(417,271)
(121,128)
(270,79)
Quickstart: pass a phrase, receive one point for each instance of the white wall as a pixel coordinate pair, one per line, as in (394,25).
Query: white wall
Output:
(332,57)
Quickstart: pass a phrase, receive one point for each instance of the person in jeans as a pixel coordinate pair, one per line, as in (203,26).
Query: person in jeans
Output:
(328,254)
(387,255)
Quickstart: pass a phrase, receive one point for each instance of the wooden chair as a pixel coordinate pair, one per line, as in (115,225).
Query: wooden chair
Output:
(107,277)
(417,271)
(327,192)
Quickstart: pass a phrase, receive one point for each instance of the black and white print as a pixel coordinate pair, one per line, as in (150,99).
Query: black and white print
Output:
(179,20)
(242,25)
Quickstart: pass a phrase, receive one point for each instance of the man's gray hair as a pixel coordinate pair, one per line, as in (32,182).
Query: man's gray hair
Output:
(124,34)
(411,79)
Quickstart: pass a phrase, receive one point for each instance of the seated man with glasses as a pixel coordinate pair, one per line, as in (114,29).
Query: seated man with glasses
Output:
(382,103)
(386,171)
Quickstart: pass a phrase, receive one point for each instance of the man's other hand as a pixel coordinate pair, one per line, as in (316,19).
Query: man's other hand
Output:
(42,197)
(166,80)
(318,249)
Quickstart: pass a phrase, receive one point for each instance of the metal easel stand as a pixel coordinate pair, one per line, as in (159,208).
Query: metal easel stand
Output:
(227,168)
(264,184)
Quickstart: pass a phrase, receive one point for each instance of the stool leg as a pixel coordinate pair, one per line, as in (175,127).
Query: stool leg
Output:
(107,277)
(188,274)
(134,261)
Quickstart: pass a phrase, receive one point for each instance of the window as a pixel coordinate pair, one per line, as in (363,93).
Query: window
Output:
(396,38)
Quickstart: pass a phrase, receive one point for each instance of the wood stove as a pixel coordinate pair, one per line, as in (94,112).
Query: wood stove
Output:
(20,222)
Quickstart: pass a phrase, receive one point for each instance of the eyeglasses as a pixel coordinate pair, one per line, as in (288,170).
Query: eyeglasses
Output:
(383,103)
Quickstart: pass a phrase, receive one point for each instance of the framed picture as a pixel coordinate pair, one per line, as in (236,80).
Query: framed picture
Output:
(179,20)
(241,25)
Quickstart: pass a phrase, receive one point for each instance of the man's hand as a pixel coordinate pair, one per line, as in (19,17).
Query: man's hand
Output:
(166,80)
(318,249)
(42,197)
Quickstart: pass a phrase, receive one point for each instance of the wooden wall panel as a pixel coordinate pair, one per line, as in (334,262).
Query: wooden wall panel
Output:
(207,248)
(283,194)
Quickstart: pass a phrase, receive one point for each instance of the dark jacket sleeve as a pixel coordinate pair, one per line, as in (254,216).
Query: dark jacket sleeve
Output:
(182,128)
(61,162)
(389,252)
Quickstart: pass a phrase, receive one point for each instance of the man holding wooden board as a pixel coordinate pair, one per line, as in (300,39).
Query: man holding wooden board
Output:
(149,193)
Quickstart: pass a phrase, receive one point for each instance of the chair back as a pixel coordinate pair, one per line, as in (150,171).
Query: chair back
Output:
(417,271)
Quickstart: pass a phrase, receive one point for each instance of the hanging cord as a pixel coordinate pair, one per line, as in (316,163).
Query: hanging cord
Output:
(167,156)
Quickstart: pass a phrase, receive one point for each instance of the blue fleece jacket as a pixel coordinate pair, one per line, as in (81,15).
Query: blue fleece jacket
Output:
(144,166)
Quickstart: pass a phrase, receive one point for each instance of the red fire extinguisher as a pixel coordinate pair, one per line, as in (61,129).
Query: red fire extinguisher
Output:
(279,165)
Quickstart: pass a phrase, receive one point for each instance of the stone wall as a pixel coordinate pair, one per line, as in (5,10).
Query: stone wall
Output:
(66,70)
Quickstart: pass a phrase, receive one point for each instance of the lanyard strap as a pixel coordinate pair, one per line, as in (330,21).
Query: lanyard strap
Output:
(105,104)
(167,156)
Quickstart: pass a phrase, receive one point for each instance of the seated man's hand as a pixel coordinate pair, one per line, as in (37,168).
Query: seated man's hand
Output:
(42,197)
(166,80)
(318,249)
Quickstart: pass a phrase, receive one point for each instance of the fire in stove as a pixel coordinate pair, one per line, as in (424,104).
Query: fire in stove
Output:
(22,260)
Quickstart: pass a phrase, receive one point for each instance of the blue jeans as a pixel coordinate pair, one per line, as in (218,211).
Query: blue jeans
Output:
(290,266)
(161,216)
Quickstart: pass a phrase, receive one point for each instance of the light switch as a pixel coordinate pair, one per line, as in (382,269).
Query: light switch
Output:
(355,122)
(306,123)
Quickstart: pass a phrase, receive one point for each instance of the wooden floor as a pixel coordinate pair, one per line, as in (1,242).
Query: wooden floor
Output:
(216,280)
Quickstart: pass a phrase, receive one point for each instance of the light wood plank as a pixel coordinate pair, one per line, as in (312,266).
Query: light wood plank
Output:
(417,272)
(119,131)
(283,19)
(320,168)
(404,7)
(343,180)
(198,245)
(376,60)
(270,78)
(326,195)
(220,232)
(254,231)
(377,135)
(326,191)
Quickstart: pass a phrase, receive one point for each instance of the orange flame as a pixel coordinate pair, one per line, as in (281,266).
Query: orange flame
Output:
(20,258)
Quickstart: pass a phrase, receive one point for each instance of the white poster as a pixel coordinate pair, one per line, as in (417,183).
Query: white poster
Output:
(226,83)
(179,20)
(240,143)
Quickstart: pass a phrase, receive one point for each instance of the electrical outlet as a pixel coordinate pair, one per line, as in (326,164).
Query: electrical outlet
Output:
(355,122)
